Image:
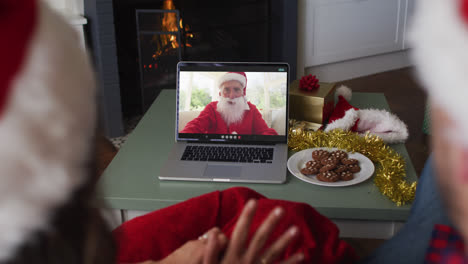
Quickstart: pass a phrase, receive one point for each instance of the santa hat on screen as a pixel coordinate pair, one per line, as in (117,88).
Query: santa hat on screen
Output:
(377,122)
(234,76)
(47,118)
(439,39)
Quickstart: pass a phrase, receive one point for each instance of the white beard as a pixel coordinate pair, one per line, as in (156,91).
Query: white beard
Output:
(232,113)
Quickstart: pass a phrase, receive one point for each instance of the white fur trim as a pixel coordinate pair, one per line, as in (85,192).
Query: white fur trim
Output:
(230,76)
(382,124)
(344,91)
(439,38)
(45,131)
(232,113)
(345,123)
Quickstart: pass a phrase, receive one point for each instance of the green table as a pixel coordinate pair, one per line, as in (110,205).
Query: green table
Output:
(130,182)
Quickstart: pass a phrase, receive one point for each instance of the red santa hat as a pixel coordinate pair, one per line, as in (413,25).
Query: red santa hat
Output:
(47,120)
(234,76)
(378,122)
(344,116)
(439,39)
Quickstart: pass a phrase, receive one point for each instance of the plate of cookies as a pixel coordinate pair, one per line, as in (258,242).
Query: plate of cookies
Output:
(330,167)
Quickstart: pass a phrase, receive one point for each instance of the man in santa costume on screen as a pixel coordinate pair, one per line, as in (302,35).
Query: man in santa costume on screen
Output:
(232,114)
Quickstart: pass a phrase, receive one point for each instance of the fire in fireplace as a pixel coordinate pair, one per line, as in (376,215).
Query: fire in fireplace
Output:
(162,39)
(170,22)
(159,51)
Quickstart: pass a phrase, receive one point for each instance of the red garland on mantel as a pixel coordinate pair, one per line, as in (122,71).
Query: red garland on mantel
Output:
(309,83)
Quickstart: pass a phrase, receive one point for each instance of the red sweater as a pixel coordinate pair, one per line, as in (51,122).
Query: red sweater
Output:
(210,121)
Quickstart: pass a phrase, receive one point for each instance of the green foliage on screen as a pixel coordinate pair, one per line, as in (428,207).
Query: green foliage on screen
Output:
(277,97)
(200,98)
(277,100)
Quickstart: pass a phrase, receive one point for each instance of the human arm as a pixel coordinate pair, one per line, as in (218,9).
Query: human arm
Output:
(189,253)
(202,122)
(192,251)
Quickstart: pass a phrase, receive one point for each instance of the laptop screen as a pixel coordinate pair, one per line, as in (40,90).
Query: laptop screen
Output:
(232,102)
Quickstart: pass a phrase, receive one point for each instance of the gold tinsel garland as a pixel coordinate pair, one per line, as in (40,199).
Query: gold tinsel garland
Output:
(390,166)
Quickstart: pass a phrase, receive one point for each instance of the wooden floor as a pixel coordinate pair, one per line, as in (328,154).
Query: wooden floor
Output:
(406,100)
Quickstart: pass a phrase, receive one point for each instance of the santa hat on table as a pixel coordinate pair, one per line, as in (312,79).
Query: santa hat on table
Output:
(234,76)
(377,122)
(439,40)
(47,119)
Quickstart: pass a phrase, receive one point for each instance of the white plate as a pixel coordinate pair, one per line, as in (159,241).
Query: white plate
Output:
(297,161)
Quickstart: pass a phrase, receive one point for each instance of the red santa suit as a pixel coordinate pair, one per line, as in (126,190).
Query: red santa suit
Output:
(210,121)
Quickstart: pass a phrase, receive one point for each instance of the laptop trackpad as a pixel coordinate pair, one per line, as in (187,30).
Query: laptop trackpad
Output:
(220,171)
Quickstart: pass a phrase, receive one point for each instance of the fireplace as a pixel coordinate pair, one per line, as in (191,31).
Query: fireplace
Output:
(137,43)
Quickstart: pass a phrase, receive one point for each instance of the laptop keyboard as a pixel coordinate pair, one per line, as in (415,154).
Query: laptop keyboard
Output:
(228,154)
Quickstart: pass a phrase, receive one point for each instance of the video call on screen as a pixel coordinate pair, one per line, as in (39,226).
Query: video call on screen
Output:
(265,90)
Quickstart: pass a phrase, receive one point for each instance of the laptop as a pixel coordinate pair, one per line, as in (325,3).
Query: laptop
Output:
(231,123)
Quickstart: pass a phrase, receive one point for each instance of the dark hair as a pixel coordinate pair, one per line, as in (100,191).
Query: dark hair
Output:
(78,233)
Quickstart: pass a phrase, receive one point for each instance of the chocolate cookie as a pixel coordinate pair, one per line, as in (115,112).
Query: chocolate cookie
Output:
(328,176)
(340,168)
(354,168)
(327,167)
(328,161)
(339,154)
(347,161)
(313,164)
(320,154)
(346,176)
(309,171)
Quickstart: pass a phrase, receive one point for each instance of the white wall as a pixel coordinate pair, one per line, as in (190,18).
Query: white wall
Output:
(350,69)
(344,39)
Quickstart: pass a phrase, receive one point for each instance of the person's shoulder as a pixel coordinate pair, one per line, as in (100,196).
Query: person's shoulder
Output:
(210,107)
(252,106)
(213,104)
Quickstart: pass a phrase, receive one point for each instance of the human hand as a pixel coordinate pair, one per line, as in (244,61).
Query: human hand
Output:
(192,251)
(236,252)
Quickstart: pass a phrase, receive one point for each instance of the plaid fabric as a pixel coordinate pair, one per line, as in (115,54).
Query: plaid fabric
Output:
(446,246)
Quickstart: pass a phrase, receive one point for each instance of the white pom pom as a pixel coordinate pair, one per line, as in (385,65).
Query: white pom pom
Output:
(344,91)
